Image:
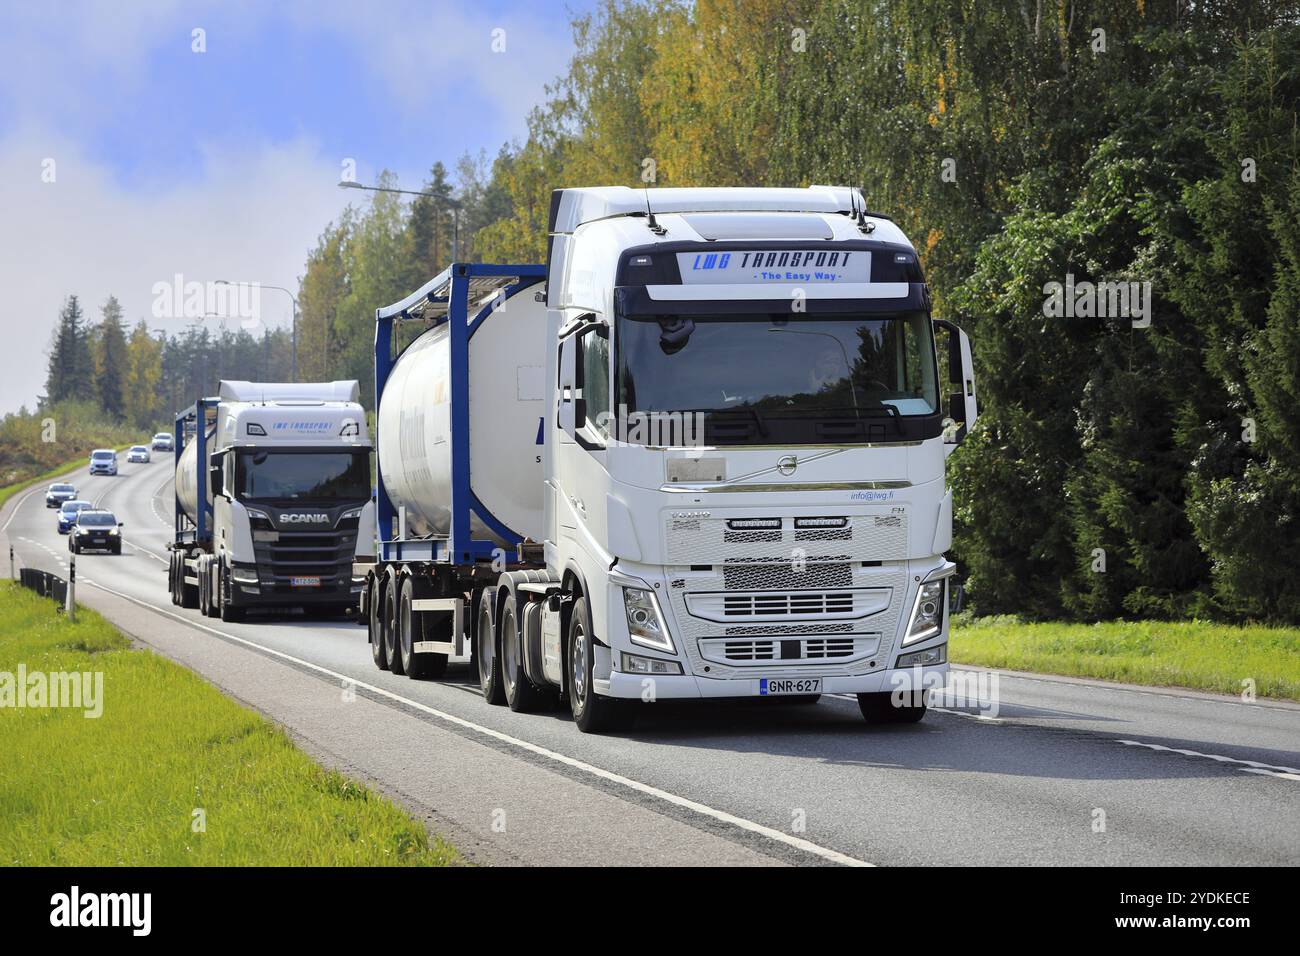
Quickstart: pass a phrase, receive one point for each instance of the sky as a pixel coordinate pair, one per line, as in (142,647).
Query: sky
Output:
(159,141)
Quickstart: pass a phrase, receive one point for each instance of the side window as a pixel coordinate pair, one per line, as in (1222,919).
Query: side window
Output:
(595,379)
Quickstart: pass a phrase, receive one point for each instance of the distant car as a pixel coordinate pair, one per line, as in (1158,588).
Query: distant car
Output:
(103,461)
(162,442)
(58,493)
(95,531)
(138,453)
(68,514)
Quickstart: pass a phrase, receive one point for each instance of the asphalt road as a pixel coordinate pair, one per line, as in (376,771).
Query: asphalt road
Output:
(1067,772)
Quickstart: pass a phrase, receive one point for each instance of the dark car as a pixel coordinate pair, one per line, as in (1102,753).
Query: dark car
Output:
(95,531)
(68,514)
(58,493)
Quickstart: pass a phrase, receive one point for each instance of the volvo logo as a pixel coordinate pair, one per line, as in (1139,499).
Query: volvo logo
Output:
(304,519)
(787,465)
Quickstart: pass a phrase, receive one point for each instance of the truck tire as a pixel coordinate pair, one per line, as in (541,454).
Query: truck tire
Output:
(203,592)
(225,593)
(410,629)
(592,713)
(212,608)
(522,695)
(171,577)
(487,652)
(375,622)
(879,708)
(389,628)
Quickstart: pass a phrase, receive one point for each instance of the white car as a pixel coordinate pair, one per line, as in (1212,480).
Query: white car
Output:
(138,453)
(103,461)
(162,442)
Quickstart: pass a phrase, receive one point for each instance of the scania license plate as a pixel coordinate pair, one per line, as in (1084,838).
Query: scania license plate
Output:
(305,582)
(775,686)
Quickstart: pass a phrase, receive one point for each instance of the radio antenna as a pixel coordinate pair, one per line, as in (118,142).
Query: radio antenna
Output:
(653,226)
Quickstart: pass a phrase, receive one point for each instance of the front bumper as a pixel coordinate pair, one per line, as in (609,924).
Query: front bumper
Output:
(252,595)
(684,687)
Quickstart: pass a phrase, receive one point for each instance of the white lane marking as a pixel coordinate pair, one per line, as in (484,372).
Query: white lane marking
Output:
(1255,766)
(1272,773)
(153,502)
(833,856)
(18,507)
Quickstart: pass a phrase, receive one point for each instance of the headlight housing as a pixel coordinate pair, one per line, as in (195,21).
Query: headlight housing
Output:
(645,625)
(927,612)
(244,575)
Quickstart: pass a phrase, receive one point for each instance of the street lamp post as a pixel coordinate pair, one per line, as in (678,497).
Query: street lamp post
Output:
(453,204)
(293,333)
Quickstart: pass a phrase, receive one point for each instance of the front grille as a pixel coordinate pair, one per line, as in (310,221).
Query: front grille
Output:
(820,648)
(784,574)
(327,555)
(788,603)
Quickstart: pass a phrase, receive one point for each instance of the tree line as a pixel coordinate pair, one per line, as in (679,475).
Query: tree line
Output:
(143,376)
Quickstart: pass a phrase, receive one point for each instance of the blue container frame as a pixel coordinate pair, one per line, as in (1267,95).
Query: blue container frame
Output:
(198,414)
(459,547)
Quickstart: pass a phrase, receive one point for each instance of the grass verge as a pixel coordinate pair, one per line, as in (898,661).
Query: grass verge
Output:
(1193,654)
(127,788)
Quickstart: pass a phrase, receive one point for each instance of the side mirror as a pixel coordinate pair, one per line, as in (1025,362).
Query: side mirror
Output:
(963,408)
(566,413)
(121,524)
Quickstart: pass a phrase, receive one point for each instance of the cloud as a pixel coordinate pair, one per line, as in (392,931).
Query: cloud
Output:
(251,215)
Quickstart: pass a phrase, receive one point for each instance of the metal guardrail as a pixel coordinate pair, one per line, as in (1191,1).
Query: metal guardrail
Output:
(45,583)
(50,585)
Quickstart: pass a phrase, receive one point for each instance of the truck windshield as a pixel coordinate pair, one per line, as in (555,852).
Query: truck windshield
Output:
(792,378)
(300,476)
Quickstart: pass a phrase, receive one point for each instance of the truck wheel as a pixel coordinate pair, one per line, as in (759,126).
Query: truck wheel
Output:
(591,712)
(390,629)
(225,593)
(880,708)
(411,629)
(522,694)
(171,578)
(376,625)
(486,653)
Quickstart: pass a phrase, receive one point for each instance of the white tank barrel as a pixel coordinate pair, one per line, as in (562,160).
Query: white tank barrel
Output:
(507,391)
(187,481)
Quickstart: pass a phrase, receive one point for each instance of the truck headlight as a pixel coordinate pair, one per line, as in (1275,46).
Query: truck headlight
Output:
(244,575)
(645,624)
(927,613)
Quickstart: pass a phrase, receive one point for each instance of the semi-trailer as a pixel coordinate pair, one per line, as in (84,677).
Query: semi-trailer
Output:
(697,454)
(273,499)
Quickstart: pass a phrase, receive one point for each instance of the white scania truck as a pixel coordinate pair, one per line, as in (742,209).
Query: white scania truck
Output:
(698,454)
(273,499)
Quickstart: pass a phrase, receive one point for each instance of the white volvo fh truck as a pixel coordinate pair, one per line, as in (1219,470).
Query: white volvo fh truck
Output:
(273,499)
(698,454)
